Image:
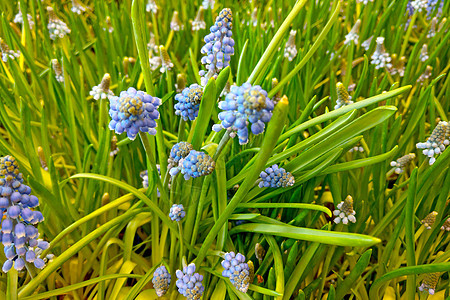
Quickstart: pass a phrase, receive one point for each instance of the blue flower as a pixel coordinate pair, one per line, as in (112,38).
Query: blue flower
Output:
(18,235)
(194,165)
(179,150)
(161,280)
(219,46)
(189,102)
(144,176)
(177,212)
(134,111)
(237,270)
(276,177)
(189,283)
(243,105)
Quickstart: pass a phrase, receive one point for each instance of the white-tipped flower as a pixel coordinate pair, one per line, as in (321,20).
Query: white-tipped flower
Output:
(356,149)
(446,225)
(419,5)
(364,1)
(151,46)
(176,24)
(102,90)
(208,4)
(8,53)
(429,220)
(255,17)
(59,75)
(380,58)
(353,35)
(429,283)
(151,6)
(199,22)
(427,74)
(56,27)
(18,19)
(108,24)
(432,32)
(424,53)
(345,212)
(166,63)
(366,43)
(77,7)
(343,97)
(399,65)
(437,142)
(402,162)
(290,50)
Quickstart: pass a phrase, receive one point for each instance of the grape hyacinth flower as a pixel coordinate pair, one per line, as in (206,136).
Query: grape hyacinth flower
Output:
(151,45)
(356,149)
(290,50)
(208,4)
(429,220)
(189,102)
(18,235)
(219,46)
(254,17)
(199,22)
(166,63)
(175,23)
(399,66)
(177,212)
(259,252)
(56,27)
(419,5)
(276,98)
(345,212)
(343,97)
(424,53)
(427,74)
(77,7)
(102,90)
(133,111)
(275,176)
(144,177)
(161,281)
(194,165)
(109,26)
(432,32)
(59,75)
(189,283)
(366,43)
(243,105)
(429,283)
(353,34)
(6,52)
(237,270)
(380,58)
(365,2)
(437,142)
(446,225)
(179,151)
(18,18)
(181,83)
(151,6)
(114,148)
(402,162)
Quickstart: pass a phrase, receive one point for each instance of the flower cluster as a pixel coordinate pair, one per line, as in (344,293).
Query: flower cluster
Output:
(426,74)
(436,143)
(166,63)
(189,283)
(161,280)
(77,7)
(18,19)
(102,90)
(175,23)
(133,111)
(18,235)
(366,43)
(219,46)
(276,177)
(343,97)
(398,65)
(345,212)
(402,162)
(151,6)
(429,220)
(189,102)
(290,49)
(237,270)
(242,105)
(56,27)
(199,21)
(6,52)
(353,34)
(59,75)
(208,3)
(429,283)
(380,58)
(424,53)
(259,252)
(418,5)
(446,225)
(177,212)
(194,165)
(144,177)
(179,150)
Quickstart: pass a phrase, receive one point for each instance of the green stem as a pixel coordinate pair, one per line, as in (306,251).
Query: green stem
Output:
(180,230)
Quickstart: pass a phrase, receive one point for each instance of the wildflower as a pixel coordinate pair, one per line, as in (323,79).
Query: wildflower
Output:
(77,8)
(108,25)
(343,97)
(133,111)
(276,98)
(102,90)
(242,105)
(199,22)
(259,252)
(401,163)
(219,46)
(432,32)
(8,53)
(399,65)
(446,225)
(426,74)
(194,165)
(166,63)
(155,61)
(56,27)
(114,148)
(353,34)
(290,50)
(189,283)
(179,150)
(424,53)
(18,18)
(189,102)
(237,270)
(208,4)
(254,17)
(41,156)
(151,46)
(181,83)
(429,282)
(431,7)
(429,220)
(175,23)
(366,43)
(437,142)
(380,58)
(365,2)
(18,235)
(345,212)
(144,176)
(418,5)
(275,176)
(356,149)
(177,212)
(151,6)
(59,75)
(161,280)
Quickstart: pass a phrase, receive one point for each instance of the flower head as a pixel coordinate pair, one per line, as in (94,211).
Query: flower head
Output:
(177,212)
(144,176)
(343,97)
(345,212)
(199,22)
(77,7)
(259,252)
(18,18)
(424,53)
(189,283)
(365,2)
(353,34)
(102,90)
(432,32)
(161,280)
(366,43)
(175,23)
(237,270)
(189,102)
(151,6)
(18,234)
(380,58)
(59,75)
(56,27)
(133,111)
(276,177)
(399,65)
(166,63)
(446,225)
(6,52)
(437,142)
(419,5)
(208,4)
(426,74)
(290,50)
(243,105)
(179,151)
(114,148)
(219,46)
(402,162)
(429,220)
(429,282)
(194,165)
